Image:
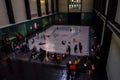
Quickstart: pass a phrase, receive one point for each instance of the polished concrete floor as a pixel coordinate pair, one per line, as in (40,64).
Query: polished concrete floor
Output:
(58,33)
(21,70)
(32,71)
(25,70)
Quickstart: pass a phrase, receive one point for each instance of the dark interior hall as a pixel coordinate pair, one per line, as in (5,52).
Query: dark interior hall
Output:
(21,20)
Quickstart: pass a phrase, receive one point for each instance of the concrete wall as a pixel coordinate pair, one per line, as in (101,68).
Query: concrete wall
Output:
(87,5)
(63,6)
(33,8)
(117,19)
(19,10)
(43,7)
(49,5)
(113,63)
(3,14)
(55,5)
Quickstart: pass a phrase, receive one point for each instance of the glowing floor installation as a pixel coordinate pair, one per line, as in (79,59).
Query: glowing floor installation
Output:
(58,37)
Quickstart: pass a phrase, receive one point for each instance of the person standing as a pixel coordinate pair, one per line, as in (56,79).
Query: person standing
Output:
(80,47)
(69,49)
(46,59)
(75,48)
(33,41)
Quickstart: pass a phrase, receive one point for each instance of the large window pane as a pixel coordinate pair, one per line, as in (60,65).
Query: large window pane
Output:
(74,5)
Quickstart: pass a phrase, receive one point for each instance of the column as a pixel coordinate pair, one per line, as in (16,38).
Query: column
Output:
(52,6)
(27,8)
(46,6)
(39,8)
(10,11)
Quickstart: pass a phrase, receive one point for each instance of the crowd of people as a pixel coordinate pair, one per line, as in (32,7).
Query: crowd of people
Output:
(46,56)
(10,46)
(85,64)
(73,68)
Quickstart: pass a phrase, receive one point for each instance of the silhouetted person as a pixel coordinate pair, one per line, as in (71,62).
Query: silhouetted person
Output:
(75,48)
(18,37)
(33,41)
(7,48)
(68,69)
(80,47)
(69,49)
(58,58)
(63,56)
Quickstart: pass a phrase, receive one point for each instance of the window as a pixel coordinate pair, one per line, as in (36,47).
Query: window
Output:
(74,4)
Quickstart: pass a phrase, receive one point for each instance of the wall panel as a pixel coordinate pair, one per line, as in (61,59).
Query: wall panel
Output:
(117,18)
(113,63)
(33,8)
(43,7)
(49,5)
(19,10)
(3,14)
(87,5)
(63,6)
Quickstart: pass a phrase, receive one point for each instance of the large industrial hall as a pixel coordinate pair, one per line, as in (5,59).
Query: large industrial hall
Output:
(59,39)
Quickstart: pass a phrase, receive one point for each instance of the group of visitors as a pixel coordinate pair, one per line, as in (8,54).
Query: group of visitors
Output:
(46,56)
(73,69)
(77,46)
